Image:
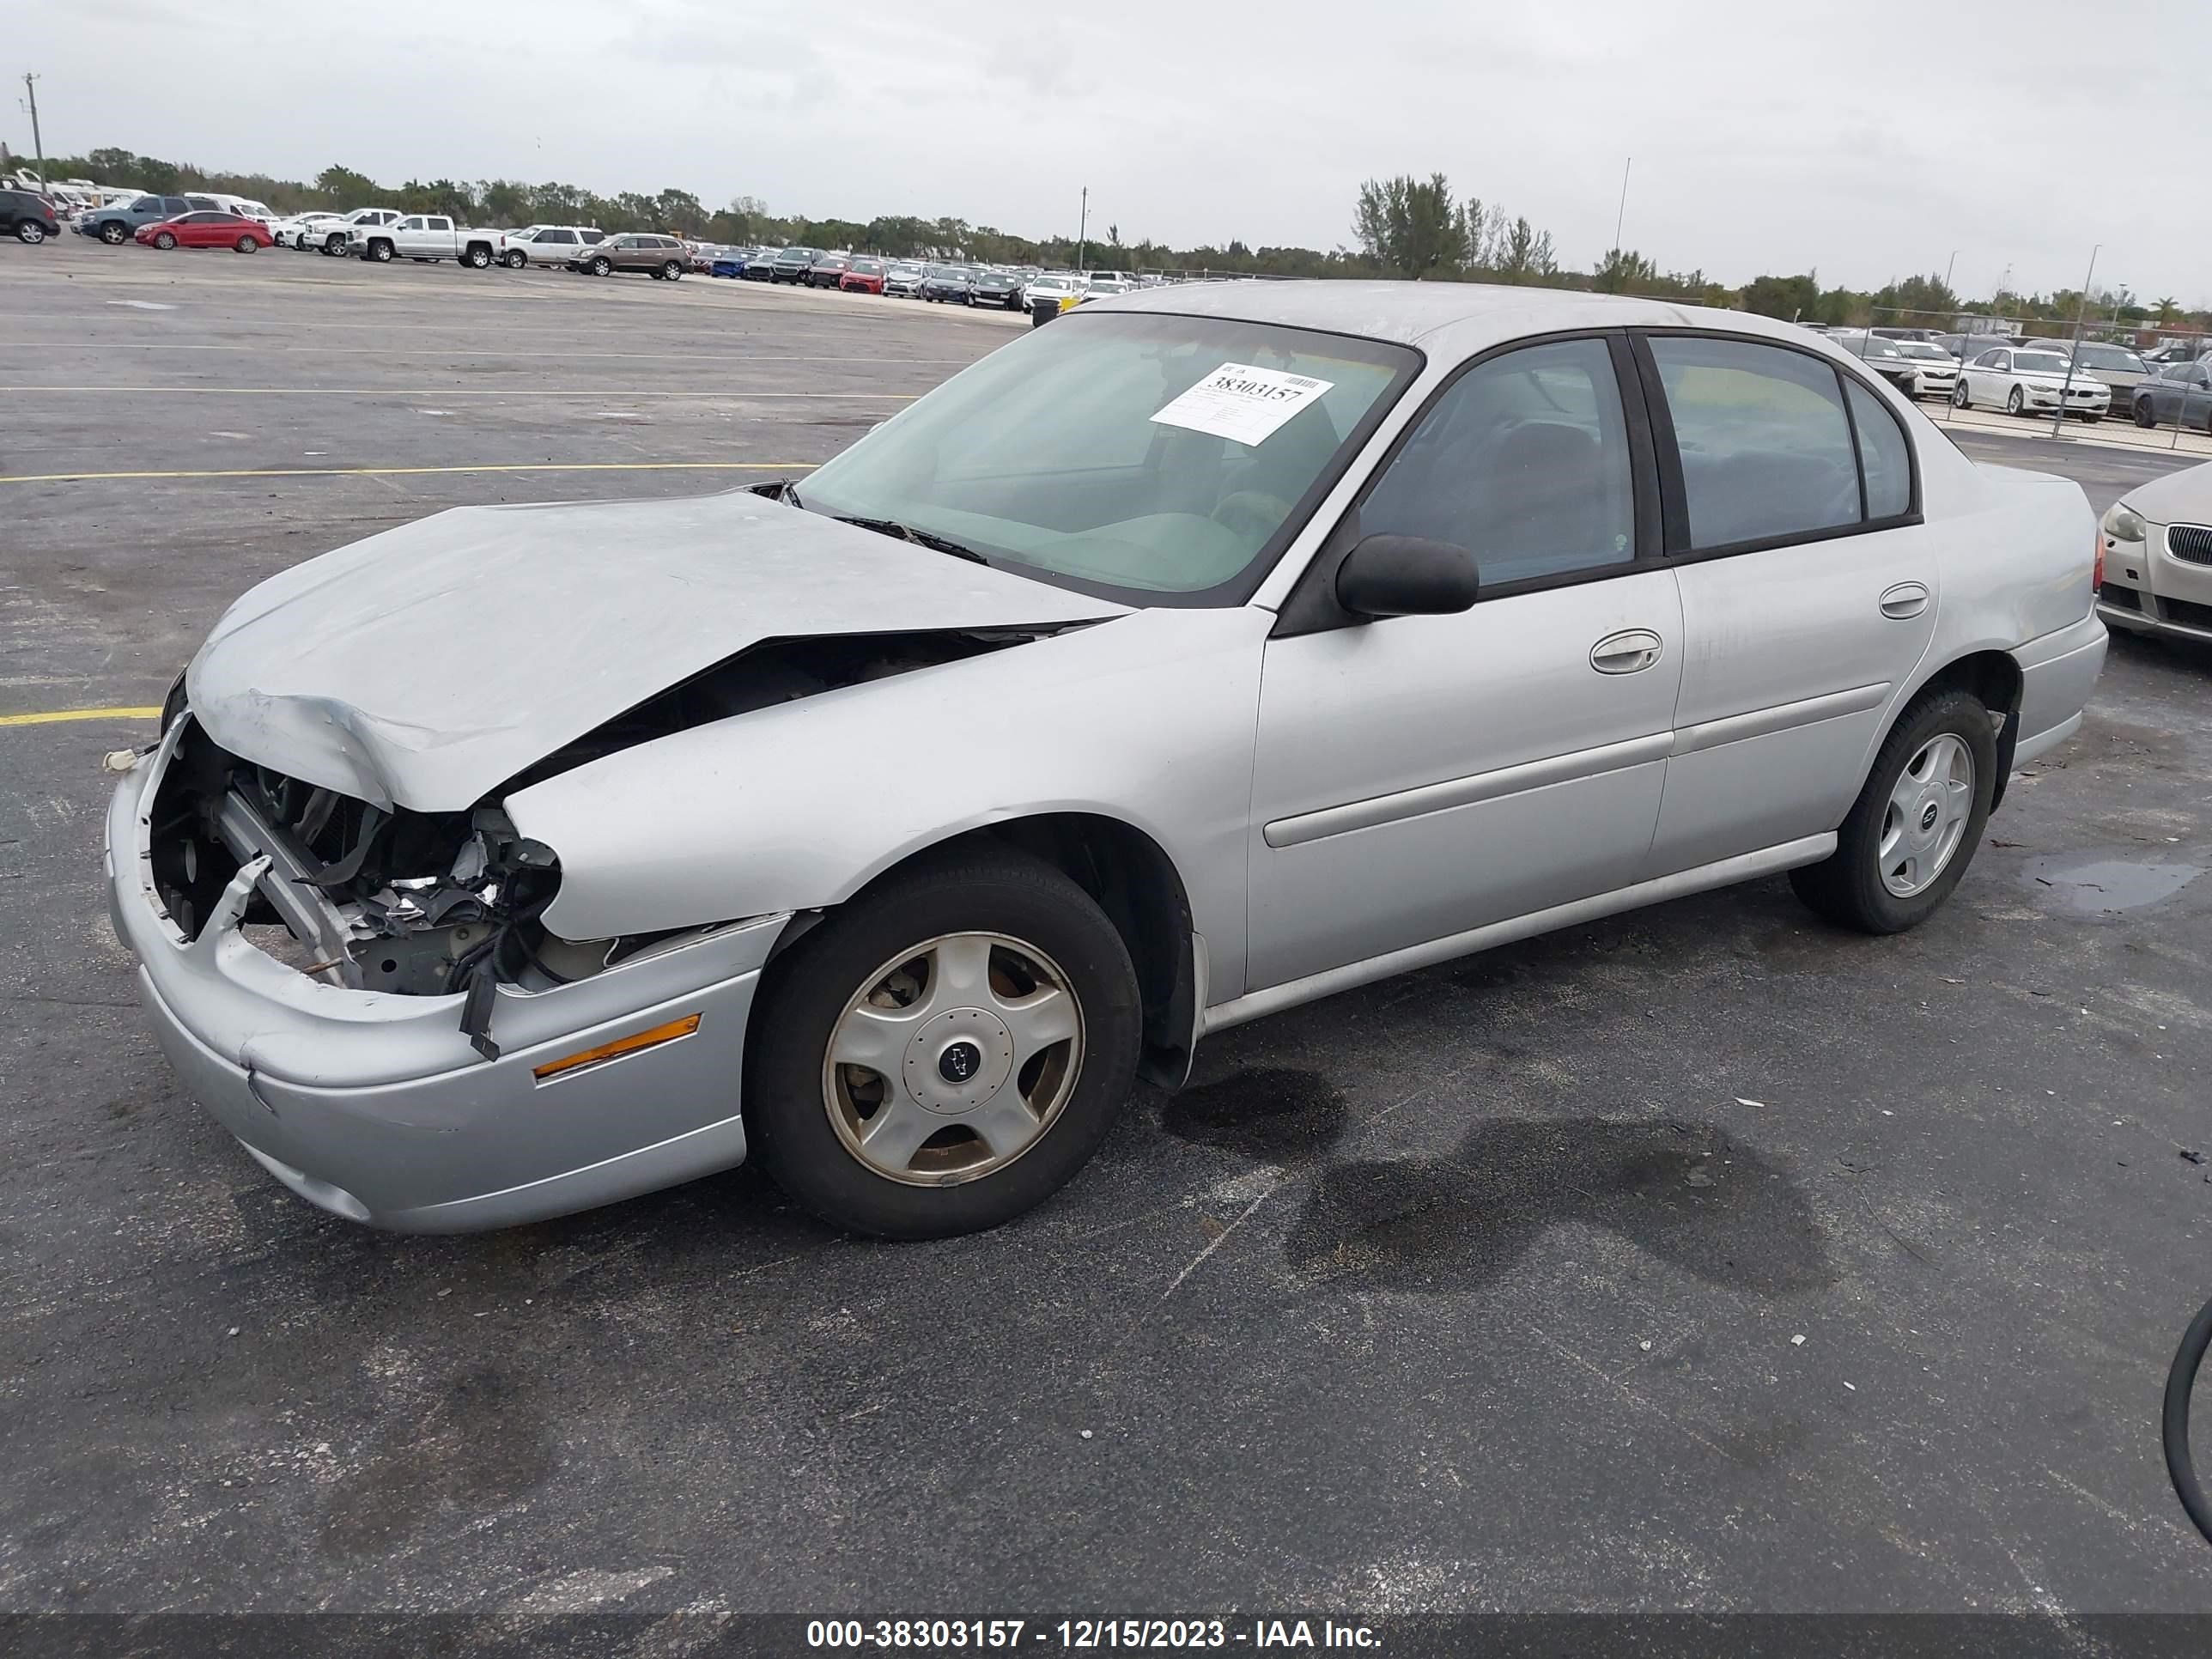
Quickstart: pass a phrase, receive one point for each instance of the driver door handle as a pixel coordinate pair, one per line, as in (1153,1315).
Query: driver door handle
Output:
(1905,600)
(1629,652)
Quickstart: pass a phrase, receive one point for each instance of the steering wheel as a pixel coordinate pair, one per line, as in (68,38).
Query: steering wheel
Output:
(1251,514)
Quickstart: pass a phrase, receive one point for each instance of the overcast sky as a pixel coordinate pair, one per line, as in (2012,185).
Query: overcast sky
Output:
(1866,140)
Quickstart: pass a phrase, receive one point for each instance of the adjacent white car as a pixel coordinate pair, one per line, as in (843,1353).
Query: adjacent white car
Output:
(1212,651)
(426,238)
(339,239)
(1934,371)
(304,230)
(2156,575)
(2022,381)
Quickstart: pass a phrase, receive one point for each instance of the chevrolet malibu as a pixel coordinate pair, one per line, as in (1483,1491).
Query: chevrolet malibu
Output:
(1220,649)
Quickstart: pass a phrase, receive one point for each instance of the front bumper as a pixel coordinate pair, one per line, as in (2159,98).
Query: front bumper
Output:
(2149,590)
(375,1107)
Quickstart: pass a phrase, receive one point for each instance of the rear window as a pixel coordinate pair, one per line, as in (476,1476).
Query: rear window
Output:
(1765,444)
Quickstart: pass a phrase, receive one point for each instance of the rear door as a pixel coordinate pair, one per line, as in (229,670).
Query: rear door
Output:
(1416,777)
(1808,587)
(552,247)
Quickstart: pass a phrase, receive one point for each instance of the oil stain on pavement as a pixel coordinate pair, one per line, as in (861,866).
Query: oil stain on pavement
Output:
(1690,1194)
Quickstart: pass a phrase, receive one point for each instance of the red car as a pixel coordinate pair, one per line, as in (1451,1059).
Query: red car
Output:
(208,230)
(862,276)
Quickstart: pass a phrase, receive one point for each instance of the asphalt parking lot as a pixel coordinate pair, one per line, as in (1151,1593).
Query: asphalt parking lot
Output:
(1704,1258)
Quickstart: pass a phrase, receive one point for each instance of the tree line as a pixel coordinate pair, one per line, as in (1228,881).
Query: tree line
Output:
(1403,226)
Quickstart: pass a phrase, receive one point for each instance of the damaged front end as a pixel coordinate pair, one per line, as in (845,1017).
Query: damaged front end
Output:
(374,899)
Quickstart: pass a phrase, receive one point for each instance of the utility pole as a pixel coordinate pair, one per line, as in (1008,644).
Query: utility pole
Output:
(1082,228)
(1948,267)
(1620,216)
(2058,415)
(38,145)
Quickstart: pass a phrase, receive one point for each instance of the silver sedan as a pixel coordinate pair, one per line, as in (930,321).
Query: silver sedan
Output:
(1217,649)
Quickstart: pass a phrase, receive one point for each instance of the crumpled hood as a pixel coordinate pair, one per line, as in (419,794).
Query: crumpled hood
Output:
(425,665)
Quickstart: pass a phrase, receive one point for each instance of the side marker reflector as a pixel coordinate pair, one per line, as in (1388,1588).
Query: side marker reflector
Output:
(619,1046)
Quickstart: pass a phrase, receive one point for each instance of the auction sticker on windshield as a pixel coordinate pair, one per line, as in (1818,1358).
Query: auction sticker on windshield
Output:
(1245,404)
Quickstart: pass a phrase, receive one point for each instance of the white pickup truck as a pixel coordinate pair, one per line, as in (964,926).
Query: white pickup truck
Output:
(426,237)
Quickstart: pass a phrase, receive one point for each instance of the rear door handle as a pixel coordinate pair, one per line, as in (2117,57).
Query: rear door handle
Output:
(1629,652)
(1905,600)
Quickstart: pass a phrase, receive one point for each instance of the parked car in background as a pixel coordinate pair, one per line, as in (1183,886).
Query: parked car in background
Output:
(945,285)
(828,270)
(1103,287)
(662,258)
(729,262)
(2179,392)
(1383,661)
(27,216)
(2024,382)
(118,223)
(1963,346)
(208,230)
(301,231)
(1000,288)
(863,276)
(2157,564)
(792,264)
(1882,355)
(346,237)
(760,265)
(546,244)
(1063,287)
(2116,366)
(1936,369)
(903,279)
(425,237)
(246,207)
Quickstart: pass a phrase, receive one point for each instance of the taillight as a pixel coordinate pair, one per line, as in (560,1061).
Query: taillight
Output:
(2097,567)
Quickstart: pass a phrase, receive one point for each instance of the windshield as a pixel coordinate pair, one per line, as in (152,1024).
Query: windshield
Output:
(2104,356)
(1074,452)
(2040,362)
(1877,348)
(1923,350)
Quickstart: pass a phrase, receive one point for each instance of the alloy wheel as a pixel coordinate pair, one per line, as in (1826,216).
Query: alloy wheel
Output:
(953,1059)
(1930,806)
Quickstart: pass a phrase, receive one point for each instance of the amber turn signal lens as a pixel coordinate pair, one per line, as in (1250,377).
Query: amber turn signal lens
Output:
(619,1046)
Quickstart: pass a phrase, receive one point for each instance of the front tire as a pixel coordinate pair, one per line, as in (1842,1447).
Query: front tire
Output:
(1913,829)
(946,1050)
(1960,397)
(2016,402)
(2143,411)
(165,241)
(516,258)
(601,266)
(114,233)
(380,253)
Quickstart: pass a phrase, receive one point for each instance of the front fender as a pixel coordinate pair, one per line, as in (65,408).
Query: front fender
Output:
(1148,719)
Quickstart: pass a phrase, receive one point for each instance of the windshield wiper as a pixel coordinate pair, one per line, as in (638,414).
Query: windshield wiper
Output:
(906,532)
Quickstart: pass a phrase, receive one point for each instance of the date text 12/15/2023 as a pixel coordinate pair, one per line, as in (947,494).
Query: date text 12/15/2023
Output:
(1086,1634)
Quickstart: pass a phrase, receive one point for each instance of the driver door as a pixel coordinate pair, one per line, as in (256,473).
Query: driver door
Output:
(1419,777)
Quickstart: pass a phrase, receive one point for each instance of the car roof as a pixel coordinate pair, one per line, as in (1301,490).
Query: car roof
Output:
(1417,312)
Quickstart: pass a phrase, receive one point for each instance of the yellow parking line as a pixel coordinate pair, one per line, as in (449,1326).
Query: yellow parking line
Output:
(409,471)
(456,391)
(53,715)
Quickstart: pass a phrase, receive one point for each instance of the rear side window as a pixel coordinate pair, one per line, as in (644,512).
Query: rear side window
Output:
(1765,444)
(1887,463)
(1525,462)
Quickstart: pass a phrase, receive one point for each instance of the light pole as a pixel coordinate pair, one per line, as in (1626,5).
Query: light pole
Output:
(38,147)
(1082,230)
(2058,415)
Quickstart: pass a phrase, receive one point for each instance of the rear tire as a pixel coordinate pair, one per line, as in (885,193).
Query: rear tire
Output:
(799,1106)
(477,258)
(1858,886)
(247,244)
(31,231)
(671,272)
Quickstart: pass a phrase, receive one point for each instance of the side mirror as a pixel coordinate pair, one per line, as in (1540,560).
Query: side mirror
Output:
(1406,576)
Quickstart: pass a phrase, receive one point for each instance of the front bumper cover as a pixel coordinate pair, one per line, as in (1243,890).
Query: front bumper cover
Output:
(374,1106)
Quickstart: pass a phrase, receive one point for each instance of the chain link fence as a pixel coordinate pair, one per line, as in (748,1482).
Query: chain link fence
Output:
(2158,375)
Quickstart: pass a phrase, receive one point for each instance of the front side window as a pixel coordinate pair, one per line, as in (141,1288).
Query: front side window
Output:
(1159,458)
(1525,462)
(1764,443)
